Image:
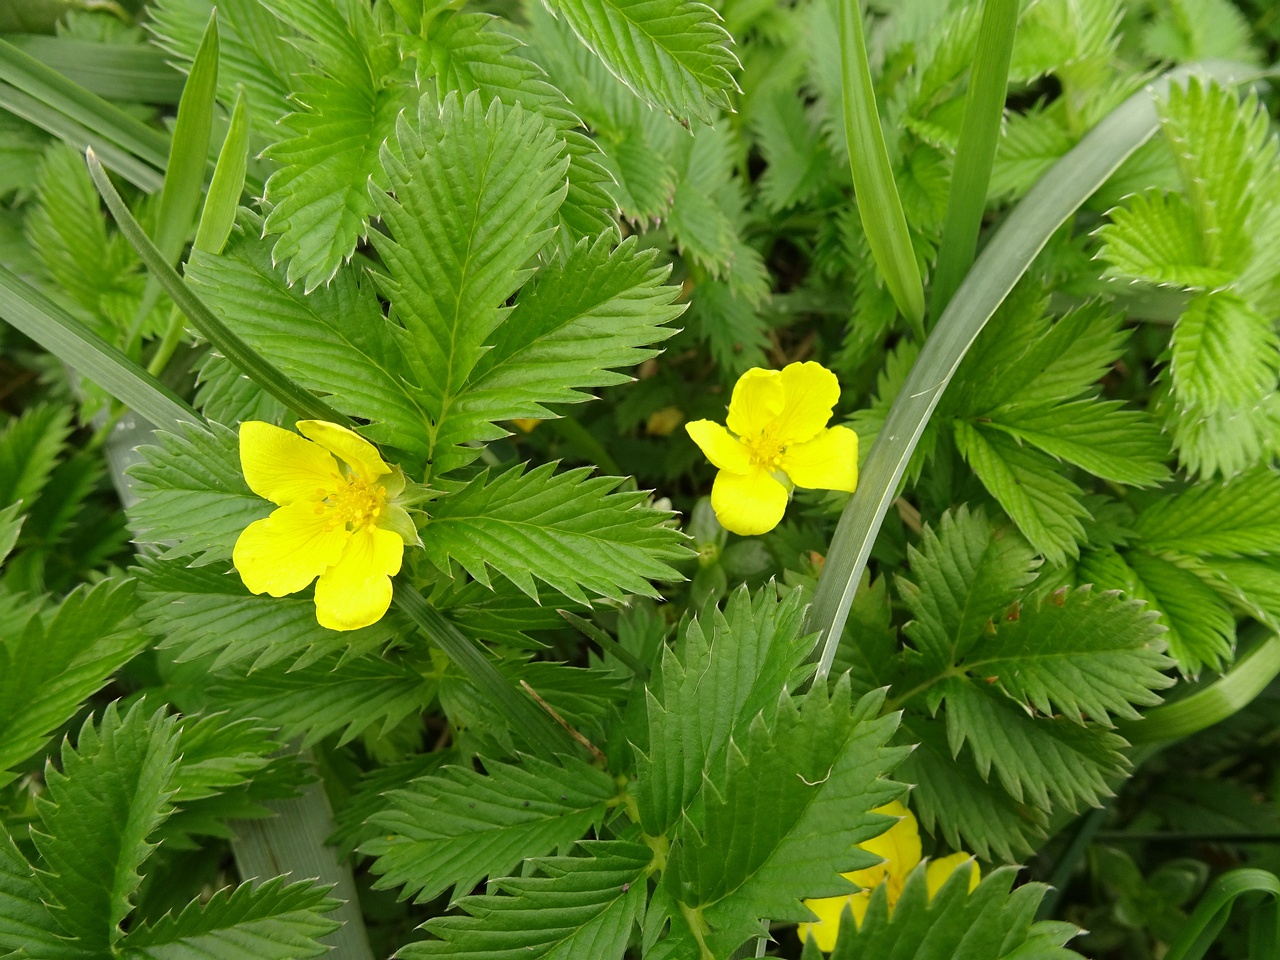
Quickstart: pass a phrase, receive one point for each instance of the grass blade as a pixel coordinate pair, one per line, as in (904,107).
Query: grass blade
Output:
(223,199)
(879,205)
(30,311)
(302,402)
(1053,199)
(979,134)
(1197,935)
(139,74)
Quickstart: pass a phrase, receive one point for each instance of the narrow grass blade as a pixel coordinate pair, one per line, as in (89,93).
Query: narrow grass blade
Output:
(106,120)
(606,643)
(879,205)
(1054,198)
(30,311)
(138,74)
(1212,912)
(77,136)
(979,134)
(1212,703)
(528,720)
(223,199)
(302,402)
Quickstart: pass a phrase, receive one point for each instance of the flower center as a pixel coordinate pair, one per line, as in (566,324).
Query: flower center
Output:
(355,505)
(767,451)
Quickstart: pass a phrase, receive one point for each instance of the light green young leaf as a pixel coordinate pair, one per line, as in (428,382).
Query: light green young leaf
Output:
(53,662)
(111,794)
(473,192)
(456,827)
(1155,237)
(1225,354)
(1202,630)
(11,520)
(30,447)
(269,921)
(709,693)
(674,54)
(1185,30)
(781,822)
(569,907)
(1240,517)
(566,530)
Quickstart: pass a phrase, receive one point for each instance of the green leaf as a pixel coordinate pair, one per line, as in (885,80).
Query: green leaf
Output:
(30,447)
(792,147)
(1236,518)
(11,520)
(271,921)
(112,792)
(952,799)
(581,906)
(1044,504)
(1079,654)
(458,826)
(1030,144)
(1155,237)
(710,693)
(566,530)
(1202,630)
(207,610)
(128,69)
(218,214)
(993,921)
(1042,760)
(192,497)
(473,192)
(26,923)
(1194,30)
(780,823)
(674,54)
(52,663)
(319,197)
(965,574)
(1224,353)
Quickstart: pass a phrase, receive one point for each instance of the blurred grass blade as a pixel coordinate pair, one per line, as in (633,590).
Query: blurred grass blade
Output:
(59,96)
(184,173)
(875,190)
(1212,703)
(302,402)
(30,311)
(223,199)
(1214,909)
(139,74)
(979,134)
(77,136)
(528,721)
(606,643)
(1053,199)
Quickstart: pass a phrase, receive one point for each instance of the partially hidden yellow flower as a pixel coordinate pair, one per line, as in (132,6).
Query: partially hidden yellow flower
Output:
(777,439)
(899,846)
(336,520)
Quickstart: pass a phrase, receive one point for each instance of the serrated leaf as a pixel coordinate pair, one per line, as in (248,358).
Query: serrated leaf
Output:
(1224,353)
(11,520)
(207,610)
(780,824)
(26,926)
(566,530)
(792,148)
(271,921)
(581,906)
(1240,517)
(965,573)
(951,799)
(1043,760)
(991,922)
(50,665)
(473,192)
(674,53)
(112,792)
(1199,30)
(1081,654)
(456,827)
(1030,144)
(319,197)
(726,673)
(1202,630)
(1155,237)
(192,497)
(1044,504)
(30,446)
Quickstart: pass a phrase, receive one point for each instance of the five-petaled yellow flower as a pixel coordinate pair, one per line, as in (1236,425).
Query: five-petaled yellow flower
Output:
(777,439)
(336,521)
(900,848)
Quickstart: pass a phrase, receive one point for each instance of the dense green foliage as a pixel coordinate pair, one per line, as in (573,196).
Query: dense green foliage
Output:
(593,724)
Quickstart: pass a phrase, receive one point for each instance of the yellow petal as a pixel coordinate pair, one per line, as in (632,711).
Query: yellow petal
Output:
(284,468)
(900,847)
(827,462)
(810,391)
(289,549)
(757,400)
(826,928)
(357,590)
(721,447)
(348,446)
(748,503)
(936,874)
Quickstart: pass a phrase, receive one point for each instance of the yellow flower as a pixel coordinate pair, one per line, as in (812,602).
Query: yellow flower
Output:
(336,522)
(899,846)
(777,439)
